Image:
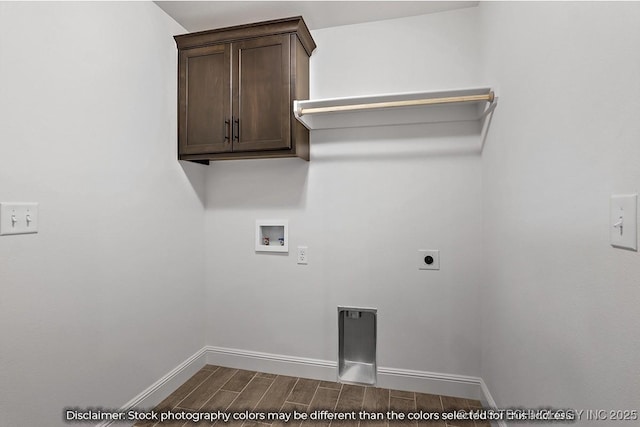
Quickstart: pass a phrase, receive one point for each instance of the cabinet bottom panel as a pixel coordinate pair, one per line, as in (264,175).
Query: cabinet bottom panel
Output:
(243,155)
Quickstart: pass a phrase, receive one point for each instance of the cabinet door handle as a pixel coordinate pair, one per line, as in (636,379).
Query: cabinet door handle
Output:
(227,128)
(236,130)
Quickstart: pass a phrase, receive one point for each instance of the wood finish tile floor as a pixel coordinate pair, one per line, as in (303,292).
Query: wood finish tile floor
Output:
(216,388)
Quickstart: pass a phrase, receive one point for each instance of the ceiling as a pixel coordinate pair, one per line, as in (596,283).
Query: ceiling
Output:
(205,15)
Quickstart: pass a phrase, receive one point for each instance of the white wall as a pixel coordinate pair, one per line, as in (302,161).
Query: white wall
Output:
(560,311)
(364,205)
(107,298)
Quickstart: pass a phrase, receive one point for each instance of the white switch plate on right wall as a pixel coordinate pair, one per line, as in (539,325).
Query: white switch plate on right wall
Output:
(623,221)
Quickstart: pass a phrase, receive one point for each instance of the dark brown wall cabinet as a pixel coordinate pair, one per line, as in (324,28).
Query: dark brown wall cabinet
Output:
(236,88)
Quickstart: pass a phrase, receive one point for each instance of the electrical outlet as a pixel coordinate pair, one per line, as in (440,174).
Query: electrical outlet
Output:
(428,259)
(303,255)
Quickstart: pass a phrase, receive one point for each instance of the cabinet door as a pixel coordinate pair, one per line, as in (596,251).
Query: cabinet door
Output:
(204,116)
(262,94)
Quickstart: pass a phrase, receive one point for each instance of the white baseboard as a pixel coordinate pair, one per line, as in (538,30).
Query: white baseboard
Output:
(488,401)
(401,379)
(272,363)
(162,388)
(430,382)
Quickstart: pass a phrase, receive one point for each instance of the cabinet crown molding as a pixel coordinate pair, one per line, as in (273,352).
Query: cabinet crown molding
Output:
(248,31)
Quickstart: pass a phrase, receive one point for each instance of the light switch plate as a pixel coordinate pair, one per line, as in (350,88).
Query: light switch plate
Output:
(623,221)
(18,218)
(428,259)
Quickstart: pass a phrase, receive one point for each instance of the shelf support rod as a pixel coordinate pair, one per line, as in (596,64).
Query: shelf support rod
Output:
(489,97)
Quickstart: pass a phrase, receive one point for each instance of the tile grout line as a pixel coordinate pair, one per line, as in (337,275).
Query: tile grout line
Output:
(255,373)
(337,400)
(312,397)
(389,408)
(273,381)
(387,423)
(263,394)
(194,389)
(286,399)
(415,408)
(361,406)
(212,394)
(219,390)
(442,408)
(229,404)
(398,397)
(467,403)
(245,386)
(311,400)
